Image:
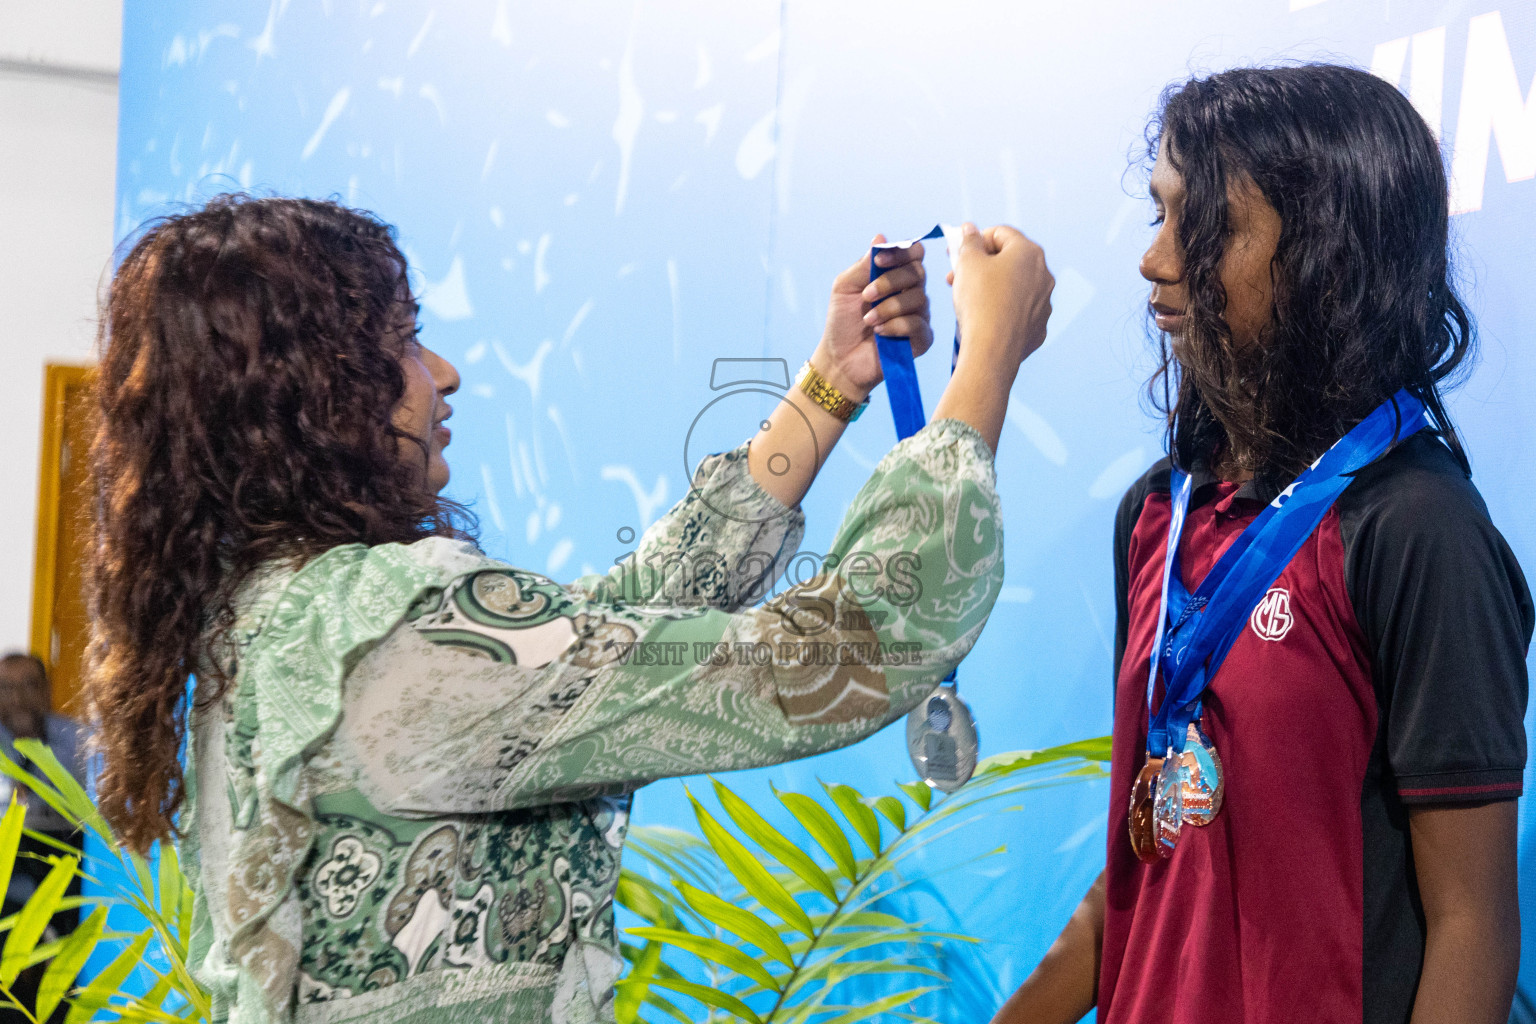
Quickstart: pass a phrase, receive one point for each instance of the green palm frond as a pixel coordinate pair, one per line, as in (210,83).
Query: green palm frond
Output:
(778,923)
(162,896)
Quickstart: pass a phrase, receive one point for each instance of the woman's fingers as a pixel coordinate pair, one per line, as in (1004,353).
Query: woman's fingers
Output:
(887,258)
(907,275)
(1000,236)
(916,329)
(902,304)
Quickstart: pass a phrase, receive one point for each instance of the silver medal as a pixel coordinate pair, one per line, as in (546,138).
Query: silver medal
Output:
(1168,807)
(942,740)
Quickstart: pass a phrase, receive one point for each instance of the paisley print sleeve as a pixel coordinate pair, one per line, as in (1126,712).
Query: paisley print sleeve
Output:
(548,693)
(722,546)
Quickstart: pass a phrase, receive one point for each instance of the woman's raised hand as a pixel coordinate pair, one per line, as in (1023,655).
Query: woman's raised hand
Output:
(1002,295)
(1002,303)
(895,305)
(785,457)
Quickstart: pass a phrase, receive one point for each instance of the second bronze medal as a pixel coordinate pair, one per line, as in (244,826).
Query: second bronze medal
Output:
(1142,825)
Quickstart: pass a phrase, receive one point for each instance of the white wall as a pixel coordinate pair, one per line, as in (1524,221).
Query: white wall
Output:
(58,153)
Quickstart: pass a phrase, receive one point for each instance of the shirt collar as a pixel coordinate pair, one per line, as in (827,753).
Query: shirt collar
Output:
(1252,490)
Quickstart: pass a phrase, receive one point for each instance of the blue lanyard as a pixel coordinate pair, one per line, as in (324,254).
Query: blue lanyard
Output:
(898,366)
(1195,631)
(896,362)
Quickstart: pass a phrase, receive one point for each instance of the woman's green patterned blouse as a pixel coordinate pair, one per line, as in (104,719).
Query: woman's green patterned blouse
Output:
(410,802)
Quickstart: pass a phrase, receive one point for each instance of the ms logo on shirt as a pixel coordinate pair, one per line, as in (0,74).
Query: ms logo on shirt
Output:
(1272,618)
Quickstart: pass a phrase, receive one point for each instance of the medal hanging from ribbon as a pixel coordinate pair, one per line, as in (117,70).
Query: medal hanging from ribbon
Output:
(941,732)
(1181,782)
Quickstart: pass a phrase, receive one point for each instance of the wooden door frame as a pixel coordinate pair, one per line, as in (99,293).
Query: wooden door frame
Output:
(57,379)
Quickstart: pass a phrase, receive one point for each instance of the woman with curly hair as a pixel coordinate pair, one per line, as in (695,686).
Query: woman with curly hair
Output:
(1333,832)
(409,764)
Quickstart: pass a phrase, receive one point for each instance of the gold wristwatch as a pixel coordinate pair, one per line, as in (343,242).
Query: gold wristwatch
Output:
(820,390)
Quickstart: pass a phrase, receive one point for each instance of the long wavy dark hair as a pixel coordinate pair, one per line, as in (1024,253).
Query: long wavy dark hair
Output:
(249,372)
(1364,302)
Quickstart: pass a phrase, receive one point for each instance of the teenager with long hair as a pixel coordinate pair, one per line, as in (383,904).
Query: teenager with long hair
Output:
(409,764)
(1357,860)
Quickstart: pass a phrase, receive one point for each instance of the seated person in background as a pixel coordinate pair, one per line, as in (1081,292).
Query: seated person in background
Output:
(410,765)
(1368,715)
(26,712)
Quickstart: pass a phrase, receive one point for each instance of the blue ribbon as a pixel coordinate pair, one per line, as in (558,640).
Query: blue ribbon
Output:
(896,361)
(1195,631)
(898,366)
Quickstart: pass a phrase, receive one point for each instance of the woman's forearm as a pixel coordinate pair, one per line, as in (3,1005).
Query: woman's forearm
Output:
(978,394)
(793,445)
(795,440)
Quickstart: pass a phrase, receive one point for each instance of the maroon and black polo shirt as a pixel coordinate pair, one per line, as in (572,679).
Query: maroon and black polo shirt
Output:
(1385,668)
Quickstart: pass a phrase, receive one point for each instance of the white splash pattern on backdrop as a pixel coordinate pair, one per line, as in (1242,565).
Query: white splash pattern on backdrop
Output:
(747,165)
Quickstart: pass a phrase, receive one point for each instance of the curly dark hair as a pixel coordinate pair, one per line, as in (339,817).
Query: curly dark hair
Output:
(249,373)
(1364,303)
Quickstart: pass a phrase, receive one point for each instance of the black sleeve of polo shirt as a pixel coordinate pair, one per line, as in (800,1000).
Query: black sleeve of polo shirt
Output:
(1125,524)
(1447,617)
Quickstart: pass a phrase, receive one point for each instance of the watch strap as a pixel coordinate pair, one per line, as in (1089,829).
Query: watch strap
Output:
(821,391)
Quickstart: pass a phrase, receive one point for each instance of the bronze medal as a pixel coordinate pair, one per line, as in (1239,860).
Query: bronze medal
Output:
(1142,826)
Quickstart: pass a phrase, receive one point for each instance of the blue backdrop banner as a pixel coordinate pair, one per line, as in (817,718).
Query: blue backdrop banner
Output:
(612,207)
